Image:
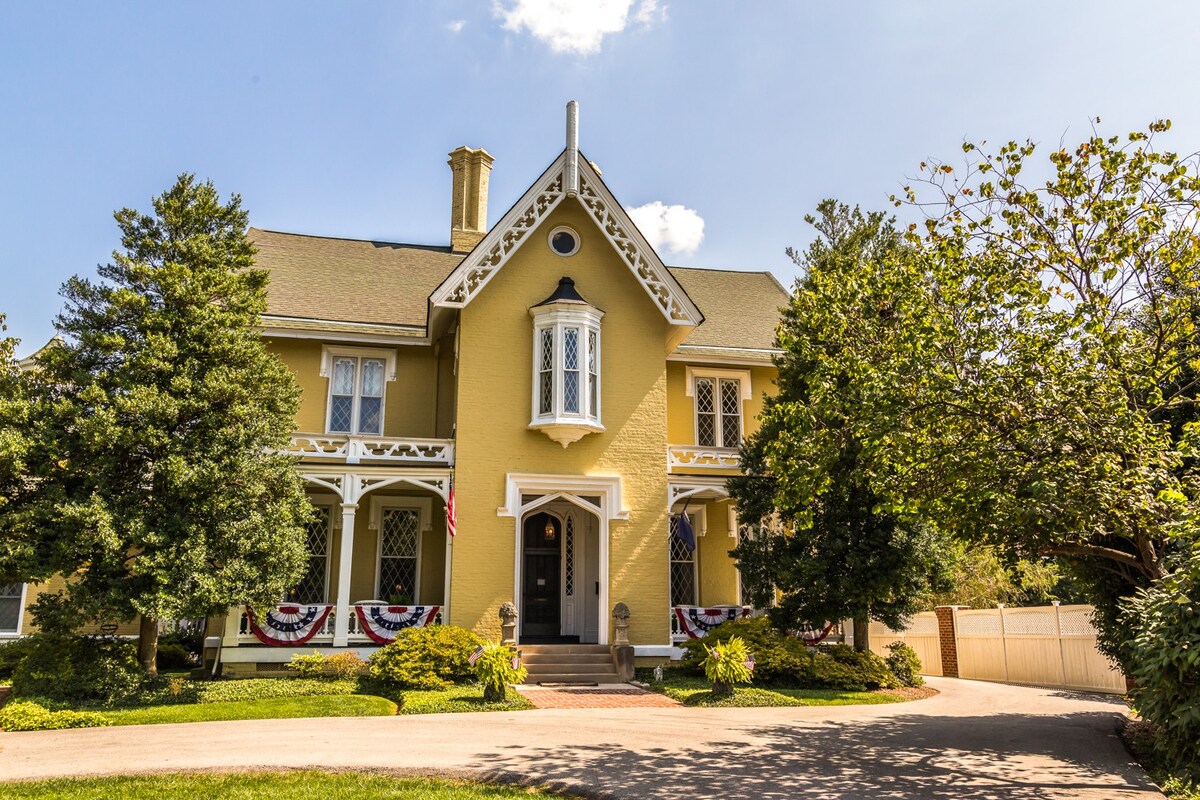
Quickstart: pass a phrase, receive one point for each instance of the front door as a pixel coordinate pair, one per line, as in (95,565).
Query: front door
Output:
(540,615)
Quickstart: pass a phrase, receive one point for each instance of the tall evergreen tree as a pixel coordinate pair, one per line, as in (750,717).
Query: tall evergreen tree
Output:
(832,553)
(166,495)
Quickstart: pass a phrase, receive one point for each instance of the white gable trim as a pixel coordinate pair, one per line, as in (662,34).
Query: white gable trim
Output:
(491,254)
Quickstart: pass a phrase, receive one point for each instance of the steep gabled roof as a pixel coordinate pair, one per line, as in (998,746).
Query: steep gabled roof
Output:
(350,280)
(507,236)
(740,309)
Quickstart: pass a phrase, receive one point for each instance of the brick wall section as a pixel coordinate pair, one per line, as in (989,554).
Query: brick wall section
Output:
(947,641)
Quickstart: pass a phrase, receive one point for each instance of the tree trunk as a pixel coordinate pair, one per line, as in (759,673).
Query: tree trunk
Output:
(148,644)
(862,634)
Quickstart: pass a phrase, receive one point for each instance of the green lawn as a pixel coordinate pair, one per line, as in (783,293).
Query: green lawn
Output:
(457,699)
(273,785)
(270,708)
(695,691)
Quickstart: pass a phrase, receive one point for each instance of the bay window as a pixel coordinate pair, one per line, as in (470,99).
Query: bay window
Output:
(566,359)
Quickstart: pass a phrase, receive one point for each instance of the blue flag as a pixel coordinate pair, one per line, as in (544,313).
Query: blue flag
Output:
(684,532)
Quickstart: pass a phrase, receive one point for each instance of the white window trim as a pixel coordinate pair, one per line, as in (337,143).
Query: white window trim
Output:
(20,614)
(715,375)
(423,506)
(329,353)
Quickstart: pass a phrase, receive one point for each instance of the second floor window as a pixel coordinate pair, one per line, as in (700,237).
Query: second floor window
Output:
(718,412)
(356,395)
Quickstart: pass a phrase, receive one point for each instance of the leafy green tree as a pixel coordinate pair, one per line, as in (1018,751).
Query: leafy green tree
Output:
(831,551)
(982,576)
(166,495)
(14,448)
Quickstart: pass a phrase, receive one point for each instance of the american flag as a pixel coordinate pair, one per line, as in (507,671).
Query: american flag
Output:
(516,660)
(750,661)
(451,515)
(471,659)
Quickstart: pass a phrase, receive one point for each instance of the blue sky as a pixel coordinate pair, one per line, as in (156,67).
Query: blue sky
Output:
(335,119)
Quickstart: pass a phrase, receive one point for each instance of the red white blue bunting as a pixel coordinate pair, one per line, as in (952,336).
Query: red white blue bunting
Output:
(382,622)
(288,624)
(813,635)
(696,622)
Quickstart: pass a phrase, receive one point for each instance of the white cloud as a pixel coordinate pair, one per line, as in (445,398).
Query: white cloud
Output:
(456,25)
(575,26)
(675,228)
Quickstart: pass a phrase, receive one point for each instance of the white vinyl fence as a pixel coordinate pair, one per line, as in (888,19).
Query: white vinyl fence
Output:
(921,635)
(1052,646)
(1043,646)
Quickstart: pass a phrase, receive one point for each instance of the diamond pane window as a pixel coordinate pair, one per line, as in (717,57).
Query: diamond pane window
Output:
(745,534)
(569,556)
(311,588)
(683,568)
(571,370)
(566,366)
(10,607)
(718,412)
(399,547)
(706,417)
(731,413)
(356,395)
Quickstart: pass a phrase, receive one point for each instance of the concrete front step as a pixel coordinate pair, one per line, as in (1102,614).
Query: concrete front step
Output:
(565,658)
(574,677)
(565,669)
(563,649)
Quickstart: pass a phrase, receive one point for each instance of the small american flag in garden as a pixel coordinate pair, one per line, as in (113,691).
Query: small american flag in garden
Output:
(471,659)
(451,515)
(516,660)
(750,661)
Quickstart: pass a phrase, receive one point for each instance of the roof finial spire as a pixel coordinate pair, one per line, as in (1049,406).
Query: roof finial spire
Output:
(571,176)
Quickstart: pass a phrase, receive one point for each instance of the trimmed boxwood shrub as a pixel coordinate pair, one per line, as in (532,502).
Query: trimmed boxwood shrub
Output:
(433,657)
(26,715)
(905,664)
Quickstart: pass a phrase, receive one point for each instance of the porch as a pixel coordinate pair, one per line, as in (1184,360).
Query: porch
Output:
(379,559)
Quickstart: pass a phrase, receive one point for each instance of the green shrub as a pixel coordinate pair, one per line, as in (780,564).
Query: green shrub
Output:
(78,669)
(725,665)
(307,666)
(11,654)
(433,657)
(263,688)
(344,665)
(1165,662)
(905,664)
(867,667)
(781,660)
(494,669)
(24,715)
(174,657)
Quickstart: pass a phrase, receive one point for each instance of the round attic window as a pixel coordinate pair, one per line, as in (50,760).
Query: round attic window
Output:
(564,241)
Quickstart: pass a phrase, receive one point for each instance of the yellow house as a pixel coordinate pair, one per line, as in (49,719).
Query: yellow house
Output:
(574,393)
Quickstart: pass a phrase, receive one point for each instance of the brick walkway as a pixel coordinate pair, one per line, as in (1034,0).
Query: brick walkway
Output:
(614,696)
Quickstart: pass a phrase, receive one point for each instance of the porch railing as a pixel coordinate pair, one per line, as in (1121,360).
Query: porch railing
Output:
(682,456)
(706,616)
(324,634)
(388,450)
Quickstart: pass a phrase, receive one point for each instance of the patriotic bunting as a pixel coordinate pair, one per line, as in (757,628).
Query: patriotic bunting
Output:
(288,624)
(812,635)
(382,622)
(696,622)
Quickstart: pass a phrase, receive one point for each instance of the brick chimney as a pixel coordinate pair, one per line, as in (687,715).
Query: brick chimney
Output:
(468,200)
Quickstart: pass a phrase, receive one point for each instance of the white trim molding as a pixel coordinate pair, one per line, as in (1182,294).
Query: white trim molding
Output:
(686,457)
(331,351)
(742,375)
(511,232)
(574,489)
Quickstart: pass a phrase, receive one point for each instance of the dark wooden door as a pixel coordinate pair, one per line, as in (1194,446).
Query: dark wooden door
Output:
(540,612)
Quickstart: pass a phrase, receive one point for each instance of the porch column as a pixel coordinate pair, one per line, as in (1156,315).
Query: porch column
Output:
(341,619)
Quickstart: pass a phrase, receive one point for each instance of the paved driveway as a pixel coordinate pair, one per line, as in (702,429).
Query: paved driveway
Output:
(975,741)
